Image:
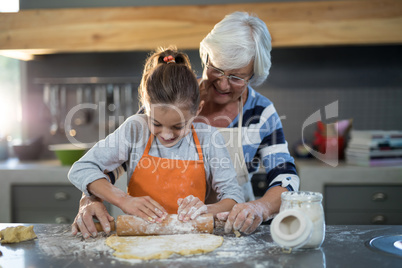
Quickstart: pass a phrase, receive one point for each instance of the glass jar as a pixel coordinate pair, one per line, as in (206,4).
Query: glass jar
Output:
(300,222)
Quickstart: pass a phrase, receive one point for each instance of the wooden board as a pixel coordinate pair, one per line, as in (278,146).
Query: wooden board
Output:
(317,23)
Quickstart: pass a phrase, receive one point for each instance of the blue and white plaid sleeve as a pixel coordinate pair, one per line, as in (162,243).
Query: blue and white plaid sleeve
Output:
(263,138)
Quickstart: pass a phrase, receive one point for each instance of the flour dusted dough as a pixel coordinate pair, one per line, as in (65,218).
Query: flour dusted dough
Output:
(17,234)
(161,247)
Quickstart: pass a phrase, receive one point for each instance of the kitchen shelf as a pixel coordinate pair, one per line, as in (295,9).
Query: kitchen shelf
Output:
(315,23)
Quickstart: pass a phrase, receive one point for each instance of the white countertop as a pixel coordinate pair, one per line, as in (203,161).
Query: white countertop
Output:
(16,164)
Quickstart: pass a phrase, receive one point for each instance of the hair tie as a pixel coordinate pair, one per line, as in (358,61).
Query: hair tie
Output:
(169,59)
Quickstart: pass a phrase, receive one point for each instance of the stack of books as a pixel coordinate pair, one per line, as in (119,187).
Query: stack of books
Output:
(374,148)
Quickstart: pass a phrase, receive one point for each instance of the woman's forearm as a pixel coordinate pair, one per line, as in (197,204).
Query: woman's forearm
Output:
(271,202)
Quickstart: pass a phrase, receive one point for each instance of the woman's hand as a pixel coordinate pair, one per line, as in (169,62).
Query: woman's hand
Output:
(244,217)
(144,207)
(190,208)
(91,207)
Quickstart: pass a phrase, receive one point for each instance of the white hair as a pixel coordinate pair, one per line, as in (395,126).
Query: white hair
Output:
(235,41)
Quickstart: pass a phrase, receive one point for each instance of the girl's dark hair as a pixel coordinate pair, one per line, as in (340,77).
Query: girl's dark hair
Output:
(169,83)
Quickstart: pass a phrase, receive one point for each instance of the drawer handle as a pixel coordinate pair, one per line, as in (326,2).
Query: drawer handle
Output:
(379,197)
(61,220)
(378,219)
(262,185)
(61,196)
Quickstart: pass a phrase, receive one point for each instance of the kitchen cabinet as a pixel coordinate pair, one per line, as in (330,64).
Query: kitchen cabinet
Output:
(354,194)
(363,204)
(310,23)
(259,183)
(39,192)
(44,203)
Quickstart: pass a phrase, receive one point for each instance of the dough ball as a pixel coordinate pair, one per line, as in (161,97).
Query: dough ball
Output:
(17,234)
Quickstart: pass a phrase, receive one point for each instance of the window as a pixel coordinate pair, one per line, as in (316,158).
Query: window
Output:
(10,98)
(9,5)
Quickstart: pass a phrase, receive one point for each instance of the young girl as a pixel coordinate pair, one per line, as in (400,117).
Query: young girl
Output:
(172,163)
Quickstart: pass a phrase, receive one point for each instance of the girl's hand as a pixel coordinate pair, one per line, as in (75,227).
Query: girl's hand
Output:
(190,208)
(144,207)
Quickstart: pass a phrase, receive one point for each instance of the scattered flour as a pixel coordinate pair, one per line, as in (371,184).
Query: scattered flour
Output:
(58,242)
(251,250)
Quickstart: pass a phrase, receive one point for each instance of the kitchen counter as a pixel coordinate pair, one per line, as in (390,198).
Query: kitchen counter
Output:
(315,175)
(344,246)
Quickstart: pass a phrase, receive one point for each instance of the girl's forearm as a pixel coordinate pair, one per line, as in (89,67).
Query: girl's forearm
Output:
(221,206)
(106,191)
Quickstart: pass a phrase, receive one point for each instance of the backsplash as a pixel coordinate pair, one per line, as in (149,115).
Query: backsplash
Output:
(365,80)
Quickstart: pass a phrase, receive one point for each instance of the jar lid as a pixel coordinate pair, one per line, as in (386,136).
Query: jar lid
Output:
(291,229)
(302,196)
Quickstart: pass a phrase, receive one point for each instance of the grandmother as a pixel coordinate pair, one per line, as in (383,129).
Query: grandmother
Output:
(236,56)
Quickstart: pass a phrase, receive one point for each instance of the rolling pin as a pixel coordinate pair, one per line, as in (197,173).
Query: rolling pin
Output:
(127,225)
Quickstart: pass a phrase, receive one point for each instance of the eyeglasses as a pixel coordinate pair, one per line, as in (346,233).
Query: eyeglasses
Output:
(233,80)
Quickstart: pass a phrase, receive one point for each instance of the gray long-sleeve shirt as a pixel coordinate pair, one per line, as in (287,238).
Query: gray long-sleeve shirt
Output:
(127,145)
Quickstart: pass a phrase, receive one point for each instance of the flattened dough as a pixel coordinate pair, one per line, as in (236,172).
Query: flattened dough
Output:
(17,234)
(161,247)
